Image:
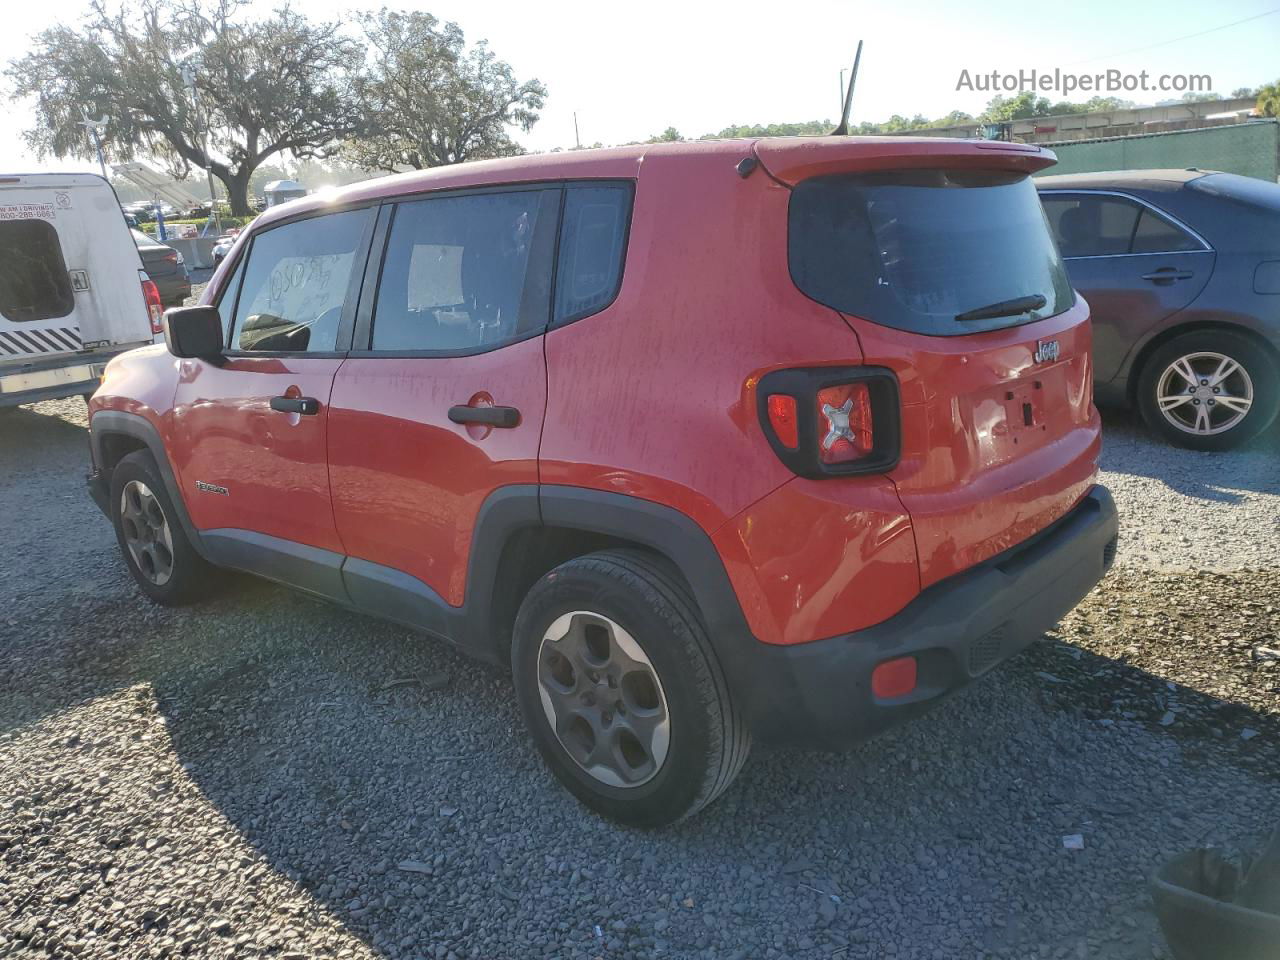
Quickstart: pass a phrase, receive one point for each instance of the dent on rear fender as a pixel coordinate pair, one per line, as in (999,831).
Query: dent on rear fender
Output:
(818,558)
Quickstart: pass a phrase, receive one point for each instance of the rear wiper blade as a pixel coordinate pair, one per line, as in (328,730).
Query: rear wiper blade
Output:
(1005,308)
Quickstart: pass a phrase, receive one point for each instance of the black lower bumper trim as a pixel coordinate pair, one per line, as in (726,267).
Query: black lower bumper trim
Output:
(819,694)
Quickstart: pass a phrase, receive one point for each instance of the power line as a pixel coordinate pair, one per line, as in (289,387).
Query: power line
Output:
(1165,43)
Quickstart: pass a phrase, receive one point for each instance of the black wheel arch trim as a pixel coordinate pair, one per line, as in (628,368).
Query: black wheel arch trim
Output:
(135,426)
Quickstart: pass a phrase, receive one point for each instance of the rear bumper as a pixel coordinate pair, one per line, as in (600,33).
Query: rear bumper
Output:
(819,694)
(49,378)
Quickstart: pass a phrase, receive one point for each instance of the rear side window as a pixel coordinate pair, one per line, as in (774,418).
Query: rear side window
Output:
(920,250)
(1097,225)
(593,245)
(466,273)
(297,281)
(34,284)
(1092,226)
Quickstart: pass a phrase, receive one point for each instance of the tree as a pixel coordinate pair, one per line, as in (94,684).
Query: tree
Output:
(669,135)
(1269,100)
(809,128)
(1241,92)
(266,85)
(1022,107)
(1092,105)
(1200,97)
(425,100)
(956,118)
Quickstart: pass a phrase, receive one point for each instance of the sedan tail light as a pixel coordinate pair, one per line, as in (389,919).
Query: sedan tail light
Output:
(155,306)
(825,421)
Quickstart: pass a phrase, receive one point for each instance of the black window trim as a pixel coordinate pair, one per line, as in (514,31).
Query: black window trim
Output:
(346,324)
(1146,206)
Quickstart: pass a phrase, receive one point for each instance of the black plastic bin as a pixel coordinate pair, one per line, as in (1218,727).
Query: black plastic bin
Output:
(1198,925)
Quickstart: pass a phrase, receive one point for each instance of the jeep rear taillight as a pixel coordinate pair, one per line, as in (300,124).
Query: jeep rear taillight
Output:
(845,422)
(155,306)
(782,418)
(831,421)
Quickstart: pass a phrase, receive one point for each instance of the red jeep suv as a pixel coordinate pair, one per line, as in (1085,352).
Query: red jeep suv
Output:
(778,440)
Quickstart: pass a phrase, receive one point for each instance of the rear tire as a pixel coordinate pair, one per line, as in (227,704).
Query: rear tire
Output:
(1209,390)
(622,692)
(156,550)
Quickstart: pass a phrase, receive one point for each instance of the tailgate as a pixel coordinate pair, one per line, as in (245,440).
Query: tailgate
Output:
(995,444)
(939,258)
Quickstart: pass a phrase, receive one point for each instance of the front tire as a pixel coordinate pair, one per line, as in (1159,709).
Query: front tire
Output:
(156,550)
(1209,390)
(622,692)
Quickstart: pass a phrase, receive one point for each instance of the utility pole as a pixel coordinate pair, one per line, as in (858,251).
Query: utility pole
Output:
(576,139)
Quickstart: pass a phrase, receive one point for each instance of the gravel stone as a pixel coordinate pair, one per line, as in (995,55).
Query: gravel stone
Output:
(236,779)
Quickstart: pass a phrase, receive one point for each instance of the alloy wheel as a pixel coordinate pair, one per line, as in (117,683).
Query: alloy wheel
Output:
(1204,393)
(603,699)
(146,532)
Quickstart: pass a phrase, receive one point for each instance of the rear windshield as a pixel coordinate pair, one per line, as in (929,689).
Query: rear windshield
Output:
(940,252)
(34,283)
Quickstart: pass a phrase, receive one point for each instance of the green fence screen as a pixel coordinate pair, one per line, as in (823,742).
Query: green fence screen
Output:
(1250,149)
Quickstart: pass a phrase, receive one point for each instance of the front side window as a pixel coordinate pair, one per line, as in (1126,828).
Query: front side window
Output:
(34,283)
(466,273)
(297,281)
(593,244)
(940,252)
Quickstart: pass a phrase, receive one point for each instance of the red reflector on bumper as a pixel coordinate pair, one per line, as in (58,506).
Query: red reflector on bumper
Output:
(894,678)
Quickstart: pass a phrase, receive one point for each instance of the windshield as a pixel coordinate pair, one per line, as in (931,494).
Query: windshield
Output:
(941,252)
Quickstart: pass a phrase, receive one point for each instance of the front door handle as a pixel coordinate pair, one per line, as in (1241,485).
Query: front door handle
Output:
(1168,275)
(307,406)
(489,416)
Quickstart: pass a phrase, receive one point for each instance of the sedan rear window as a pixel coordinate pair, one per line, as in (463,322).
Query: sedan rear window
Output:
(940,252)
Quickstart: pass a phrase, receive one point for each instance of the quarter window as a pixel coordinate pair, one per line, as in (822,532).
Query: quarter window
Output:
(1155,234)
(592,245)
(466,273)
(34,284)
(226,303)
(297,282)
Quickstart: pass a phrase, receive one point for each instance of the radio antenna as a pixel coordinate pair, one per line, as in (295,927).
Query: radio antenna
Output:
(843,129)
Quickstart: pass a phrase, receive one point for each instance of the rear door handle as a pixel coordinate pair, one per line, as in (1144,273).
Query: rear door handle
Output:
(489,416)
(307,406)
(1168,275)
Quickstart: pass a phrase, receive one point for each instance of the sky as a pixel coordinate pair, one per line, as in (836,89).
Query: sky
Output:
(629,71)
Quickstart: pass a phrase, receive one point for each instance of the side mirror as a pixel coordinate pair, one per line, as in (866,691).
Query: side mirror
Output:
(194,332)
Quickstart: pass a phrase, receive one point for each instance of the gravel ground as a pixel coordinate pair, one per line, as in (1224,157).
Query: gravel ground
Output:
(250,778)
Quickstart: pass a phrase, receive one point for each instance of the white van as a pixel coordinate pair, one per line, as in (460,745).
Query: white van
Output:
(72,291)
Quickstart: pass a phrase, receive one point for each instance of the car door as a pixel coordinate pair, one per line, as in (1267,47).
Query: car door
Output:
(251,432)
(1134,264)
(442,402)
